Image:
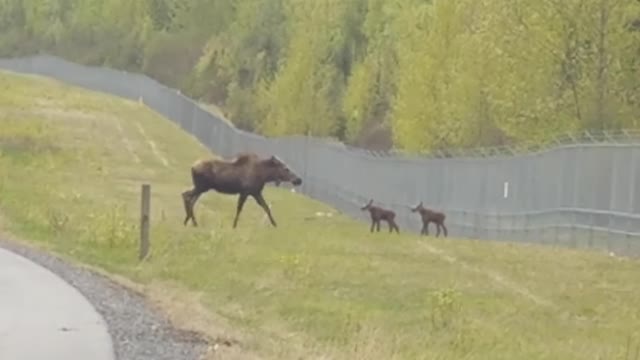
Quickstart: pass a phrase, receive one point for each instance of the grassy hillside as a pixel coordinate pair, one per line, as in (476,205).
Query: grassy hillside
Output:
(71,165)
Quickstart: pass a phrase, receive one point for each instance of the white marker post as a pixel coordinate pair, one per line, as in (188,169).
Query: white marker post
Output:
(505,189)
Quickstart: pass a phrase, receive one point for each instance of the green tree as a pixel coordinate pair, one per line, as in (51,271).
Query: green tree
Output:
(299,99)
(414,74)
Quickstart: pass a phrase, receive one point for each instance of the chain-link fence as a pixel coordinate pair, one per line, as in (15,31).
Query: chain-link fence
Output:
(584,192)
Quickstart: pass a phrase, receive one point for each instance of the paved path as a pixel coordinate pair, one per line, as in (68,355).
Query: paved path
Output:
(44,318)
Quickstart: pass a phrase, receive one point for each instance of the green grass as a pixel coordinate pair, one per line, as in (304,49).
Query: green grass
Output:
(70,182)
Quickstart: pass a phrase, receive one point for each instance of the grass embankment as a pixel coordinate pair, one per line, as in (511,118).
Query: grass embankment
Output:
(71,165)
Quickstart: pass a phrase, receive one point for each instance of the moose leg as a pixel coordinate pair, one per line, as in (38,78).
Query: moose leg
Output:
(396,227)
(437,229)
(424,229)
(186,199)
(373,224)
(189,198)
(393,226)
(444,230)
(263,204)
(378,225)
(192,203)
(241,199)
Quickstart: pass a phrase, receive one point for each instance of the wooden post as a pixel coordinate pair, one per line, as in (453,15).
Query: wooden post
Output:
(145,207)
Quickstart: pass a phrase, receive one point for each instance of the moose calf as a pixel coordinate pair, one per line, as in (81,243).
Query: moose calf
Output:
(430,216)
(378,214)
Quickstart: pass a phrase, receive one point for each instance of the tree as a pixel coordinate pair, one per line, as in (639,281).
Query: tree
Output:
(414,74)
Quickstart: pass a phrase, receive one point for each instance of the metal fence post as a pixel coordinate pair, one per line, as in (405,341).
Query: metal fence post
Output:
(632,197)
(574,198)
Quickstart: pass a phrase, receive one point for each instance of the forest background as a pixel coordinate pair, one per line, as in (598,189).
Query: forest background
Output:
(415,75)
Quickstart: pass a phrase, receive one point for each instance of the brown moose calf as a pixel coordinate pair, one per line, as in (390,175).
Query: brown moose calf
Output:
(379,214)
(430,216)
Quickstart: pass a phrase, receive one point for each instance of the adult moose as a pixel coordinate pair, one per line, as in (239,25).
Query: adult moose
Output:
(379,214)
(430,216)
(246,175)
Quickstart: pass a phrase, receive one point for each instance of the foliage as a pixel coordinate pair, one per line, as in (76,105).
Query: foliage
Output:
(434,73)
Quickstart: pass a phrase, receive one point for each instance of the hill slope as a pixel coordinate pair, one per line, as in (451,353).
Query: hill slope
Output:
(71,165)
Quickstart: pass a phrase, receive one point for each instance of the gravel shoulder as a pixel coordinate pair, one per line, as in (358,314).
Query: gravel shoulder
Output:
(138,331)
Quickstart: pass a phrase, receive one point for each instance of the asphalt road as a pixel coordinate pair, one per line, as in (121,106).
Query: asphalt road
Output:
(42,317)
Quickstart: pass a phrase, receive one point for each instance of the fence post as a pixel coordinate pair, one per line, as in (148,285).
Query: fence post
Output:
(144,221)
